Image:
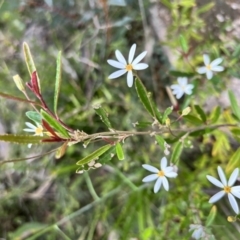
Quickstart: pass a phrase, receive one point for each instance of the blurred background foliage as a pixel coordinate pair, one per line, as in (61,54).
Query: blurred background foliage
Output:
(44,198)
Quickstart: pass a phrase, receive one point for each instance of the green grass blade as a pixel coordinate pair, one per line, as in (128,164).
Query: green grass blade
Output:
(58,81)
(119,151)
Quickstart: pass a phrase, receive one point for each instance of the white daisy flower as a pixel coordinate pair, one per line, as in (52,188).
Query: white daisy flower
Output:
(38,130)
(182,87)
(160,175)
(127,66)
(209,68)
(227,188)
(198,231)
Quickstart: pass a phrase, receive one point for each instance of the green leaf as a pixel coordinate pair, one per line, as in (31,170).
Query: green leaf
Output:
(93,155)
(234,104)
(167,3)
(55,124)
(234,161)
(156,112)
(201,113)
(144,96)
(35,116)
(215,114)
(160,140)
(103,115)
(192,119)
(183,43)
(177,150)
(211,216)
(30,63)
(205,8)
(21,138)
(58,81)
(119,151)
(166,113)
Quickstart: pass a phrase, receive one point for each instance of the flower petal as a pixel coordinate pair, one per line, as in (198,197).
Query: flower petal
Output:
(139,58)
(215,181)
(217,69)
(163,163)
(206,59)
(179,94)
(222,176)
(30,125)
(216,197)
(131,53)
(216,62)
(233,203)
(130,79)
(28,130)
(209,74)
(150,178)
(120,57)
(182,81)
(188,89)
(150,168)
(140,66)
(201,70)
(233,177)
(116,64)
(236,188)
(165,183)
(117,74)
(168,169)
(157,185)
(171,174)
(235,192)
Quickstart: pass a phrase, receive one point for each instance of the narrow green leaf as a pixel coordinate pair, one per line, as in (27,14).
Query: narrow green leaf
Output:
(177,150)
(58,81)
(30,63)
(183,43)
(21,138)
(156,112)
(201,113)
(160,140)
(192,119)
(119,151)
(93,155)
(144,96)
(103,115)
(234,104)
(166,114)
(215,114)
(211,216)
(205,8)
(35,116)
(54,124)
(234,161)
(167,3)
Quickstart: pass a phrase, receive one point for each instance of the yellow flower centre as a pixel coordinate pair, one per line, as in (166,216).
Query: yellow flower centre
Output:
(39,130)
(208,67)
(227,189)
(129,67)
(161,173)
